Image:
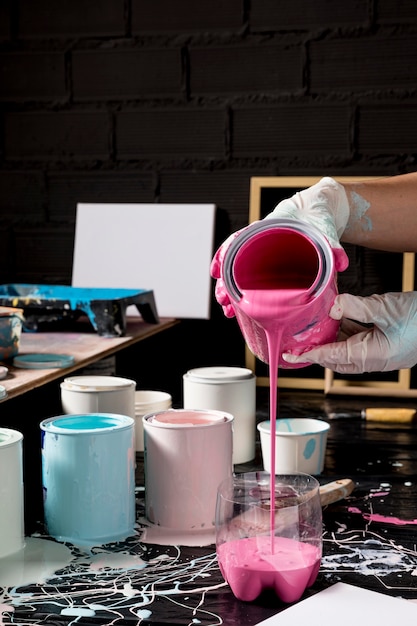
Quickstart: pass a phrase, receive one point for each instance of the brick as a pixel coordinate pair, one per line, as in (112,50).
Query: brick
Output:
(290,130)
(22,194)
(66,189)
(227,189)
(5,19)
(44,254)
(6,254)
(171,133)
(47,18)
(63,135)
(32,76)
(211,15)
(363,64)
(269,15)
(386,128)
(121,74)
(396,12)
(245,69)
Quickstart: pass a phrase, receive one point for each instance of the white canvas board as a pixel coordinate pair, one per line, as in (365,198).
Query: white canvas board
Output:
(345,605)
(164,247)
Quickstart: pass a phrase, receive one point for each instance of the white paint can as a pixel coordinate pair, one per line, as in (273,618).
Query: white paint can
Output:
(230,389)
(148,401)
(187,455)
(98,394)
(12,533)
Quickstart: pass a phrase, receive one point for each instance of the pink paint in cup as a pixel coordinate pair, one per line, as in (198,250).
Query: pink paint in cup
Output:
(253,560)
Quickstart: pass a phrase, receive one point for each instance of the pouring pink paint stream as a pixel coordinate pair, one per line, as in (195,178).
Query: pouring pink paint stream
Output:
(279,307)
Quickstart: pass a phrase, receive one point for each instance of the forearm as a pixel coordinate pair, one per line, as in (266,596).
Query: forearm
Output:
(383,213)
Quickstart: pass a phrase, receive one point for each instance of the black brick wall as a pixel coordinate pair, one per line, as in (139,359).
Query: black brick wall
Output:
(154,101)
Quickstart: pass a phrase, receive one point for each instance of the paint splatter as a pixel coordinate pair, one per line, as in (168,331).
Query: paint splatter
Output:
(359,211)
(309,448)
(385,519)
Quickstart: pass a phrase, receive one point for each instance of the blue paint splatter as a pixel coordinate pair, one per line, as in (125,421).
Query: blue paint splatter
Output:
(360,208)
(309,448)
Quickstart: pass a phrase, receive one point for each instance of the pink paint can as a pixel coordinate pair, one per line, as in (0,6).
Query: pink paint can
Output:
(290,264)
(188,453)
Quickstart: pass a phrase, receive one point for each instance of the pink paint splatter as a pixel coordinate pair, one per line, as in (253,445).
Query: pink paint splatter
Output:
(375,517)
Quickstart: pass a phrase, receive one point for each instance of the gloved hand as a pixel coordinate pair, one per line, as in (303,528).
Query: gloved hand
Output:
(389,344)
(215,271)
(326,206)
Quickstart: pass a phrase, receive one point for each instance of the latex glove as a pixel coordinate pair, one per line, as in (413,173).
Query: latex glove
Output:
(326,206)
(215,271)
(390,343)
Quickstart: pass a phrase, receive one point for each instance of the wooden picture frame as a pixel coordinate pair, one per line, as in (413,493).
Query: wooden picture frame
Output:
(399,383)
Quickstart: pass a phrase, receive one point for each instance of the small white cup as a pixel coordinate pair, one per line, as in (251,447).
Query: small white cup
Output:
(300,445)
(147,401)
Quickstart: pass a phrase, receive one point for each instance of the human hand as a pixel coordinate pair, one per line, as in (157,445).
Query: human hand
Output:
(220,291)
(390,343)
(326,206)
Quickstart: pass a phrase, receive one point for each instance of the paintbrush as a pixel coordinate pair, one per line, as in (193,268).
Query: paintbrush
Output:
(391,415)
(257,518)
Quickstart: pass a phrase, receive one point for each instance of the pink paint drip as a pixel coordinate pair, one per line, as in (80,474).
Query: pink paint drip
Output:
(290,575)
(384,519)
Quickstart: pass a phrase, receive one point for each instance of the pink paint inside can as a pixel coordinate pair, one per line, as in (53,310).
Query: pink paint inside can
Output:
(181,418)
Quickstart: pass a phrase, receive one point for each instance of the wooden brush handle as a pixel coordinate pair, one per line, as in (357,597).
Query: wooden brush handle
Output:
(337,490)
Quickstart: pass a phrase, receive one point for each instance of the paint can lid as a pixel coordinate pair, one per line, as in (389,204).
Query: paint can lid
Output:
(43,361)
(220,374)
(97,383)
(9,436)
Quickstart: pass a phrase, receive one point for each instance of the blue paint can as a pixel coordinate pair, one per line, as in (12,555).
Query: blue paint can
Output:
(88,477)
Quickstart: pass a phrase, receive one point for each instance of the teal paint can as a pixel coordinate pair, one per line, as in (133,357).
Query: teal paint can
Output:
(88,477)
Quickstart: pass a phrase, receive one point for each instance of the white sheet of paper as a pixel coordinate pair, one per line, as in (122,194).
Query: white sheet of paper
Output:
(164,247)
(346,605)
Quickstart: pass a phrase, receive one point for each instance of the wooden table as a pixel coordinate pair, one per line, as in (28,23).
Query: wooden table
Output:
(86,347)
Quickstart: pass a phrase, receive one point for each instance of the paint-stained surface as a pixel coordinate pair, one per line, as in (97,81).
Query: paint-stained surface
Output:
(104,307)
(369,541)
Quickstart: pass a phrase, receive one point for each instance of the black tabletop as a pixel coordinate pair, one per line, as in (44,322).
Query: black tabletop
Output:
(370,540)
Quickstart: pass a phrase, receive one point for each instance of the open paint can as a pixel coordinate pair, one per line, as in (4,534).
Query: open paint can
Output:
(88,477)
(12,534)
(187,455)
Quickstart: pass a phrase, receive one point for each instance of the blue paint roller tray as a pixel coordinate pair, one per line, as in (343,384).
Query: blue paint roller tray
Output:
(105,308)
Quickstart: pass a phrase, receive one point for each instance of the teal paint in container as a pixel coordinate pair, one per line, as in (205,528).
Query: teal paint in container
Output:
(88,477)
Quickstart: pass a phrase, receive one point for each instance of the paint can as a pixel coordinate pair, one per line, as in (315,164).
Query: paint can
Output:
(98,394)
(12,534)
(230,389)
(88,477)
(187,455)
(148,401)
(273,255)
